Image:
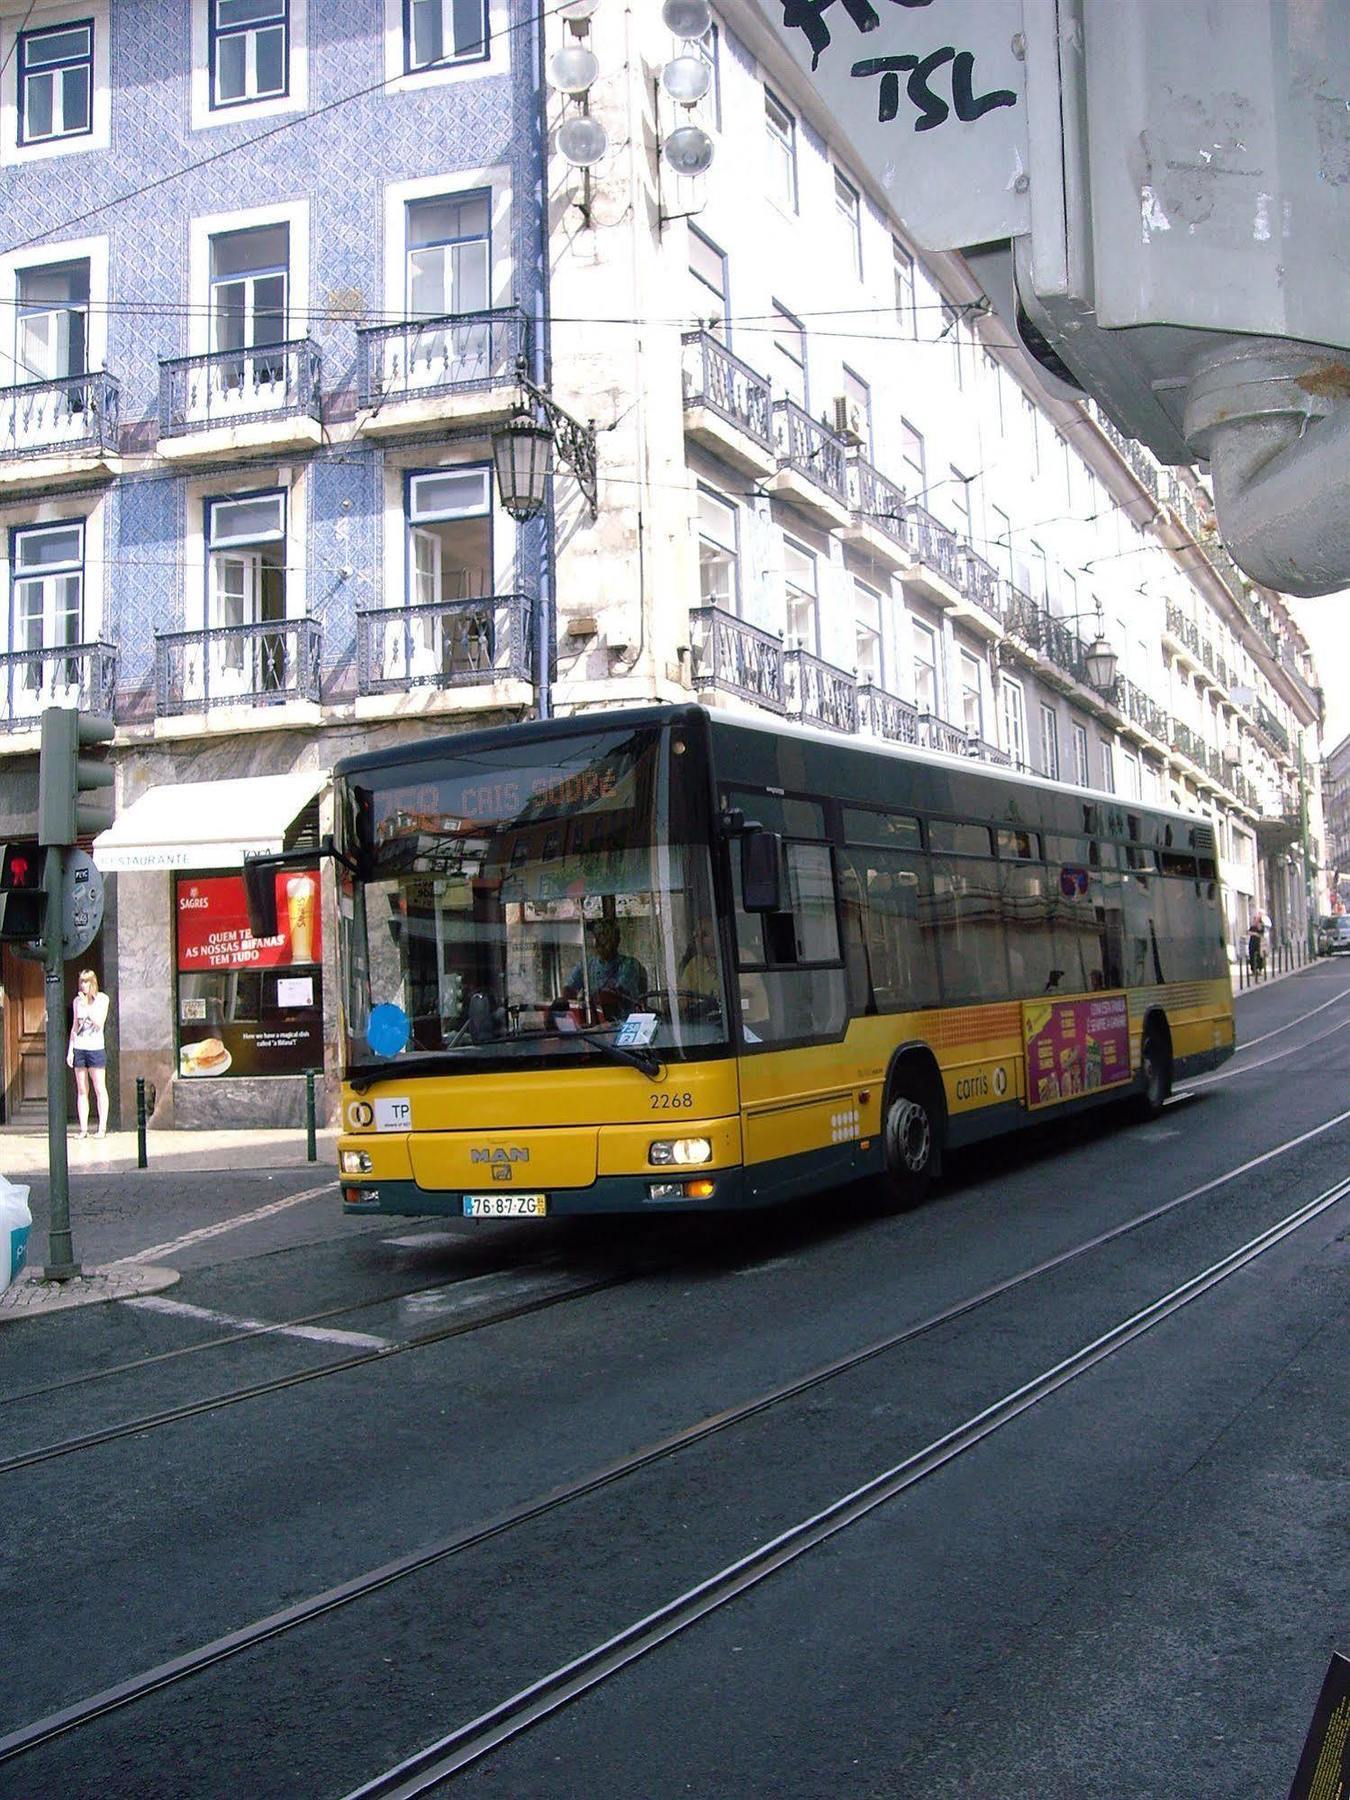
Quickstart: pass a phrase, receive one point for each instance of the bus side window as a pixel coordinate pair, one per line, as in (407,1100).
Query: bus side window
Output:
(853,917)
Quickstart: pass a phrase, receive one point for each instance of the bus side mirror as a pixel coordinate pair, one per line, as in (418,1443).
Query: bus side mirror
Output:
(762,871)
(260,894)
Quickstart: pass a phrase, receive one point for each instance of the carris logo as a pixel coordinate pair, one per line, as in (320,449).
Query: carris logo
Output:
(512,1155)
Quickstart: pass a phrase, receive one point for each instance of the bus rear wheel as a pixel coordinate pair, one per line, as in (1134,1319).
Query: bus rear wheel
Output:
(1155,1071)
(911,1138)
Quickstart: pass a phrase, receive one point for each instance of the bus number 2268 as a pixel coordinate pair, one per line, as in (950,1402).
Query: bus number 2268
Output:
(667,1102)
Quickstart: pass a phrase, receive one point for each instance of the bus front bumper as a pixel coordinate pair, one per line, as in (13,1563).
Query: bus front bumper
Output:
(658,1191)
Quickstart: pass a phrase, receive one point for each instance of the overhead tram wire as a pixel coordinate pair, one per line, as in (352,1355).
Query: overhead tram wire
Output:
(140,1686)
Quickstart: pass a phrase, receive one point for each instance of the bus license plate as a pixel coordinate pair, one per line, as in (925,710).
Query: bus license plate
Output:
(505,1206)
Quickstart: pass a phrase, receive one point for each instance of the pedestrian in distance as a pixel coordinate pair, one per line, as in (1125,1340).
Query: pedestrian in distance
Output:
(86,1053)
(1256,952)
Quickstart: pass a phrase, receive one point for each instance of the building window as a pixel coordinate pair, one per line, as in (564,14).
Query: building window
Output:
(994,377)
(1033,427)
(858,408)
(1081,773)
(789,344)
(781,130)
(951,329)
(245,588)
(249,276)
(708,111)
(1133,786)
(708,271)
(718,552)
(1001,541)
(912,455)
(867,634)
(959,493)
(1014,721)
(905,305)
(800,594)
(1108,766)
(972,703)
(1049,743)
(848,206)
(48,605)
(450,568)
(52,321)
(56,83)
(443,31)
(927,695)
(449,250)
(250,51)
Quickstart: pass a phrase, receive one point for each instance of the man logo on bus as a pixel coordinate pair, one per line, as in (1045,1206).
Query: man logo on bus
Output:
(514,1155)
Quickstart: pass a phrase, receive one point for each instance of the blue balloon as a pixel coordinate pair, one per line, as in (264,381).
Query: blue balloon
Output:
(387,1030)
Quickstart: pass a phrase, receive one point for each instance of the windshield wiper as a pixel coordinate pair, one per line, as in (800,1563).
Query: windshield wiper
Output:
(647,1061)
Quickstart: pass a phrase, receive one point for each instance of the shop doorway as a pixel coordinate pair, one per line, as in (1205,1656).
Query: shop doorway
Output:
(25,1033)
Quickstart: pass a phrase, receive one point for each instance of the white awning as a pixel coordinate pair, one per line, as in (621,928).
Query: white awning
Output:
(206,824)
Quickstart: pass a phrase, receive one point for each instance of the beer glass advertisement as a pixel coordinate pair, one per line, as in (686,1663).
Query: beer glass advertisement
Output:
(246,1005)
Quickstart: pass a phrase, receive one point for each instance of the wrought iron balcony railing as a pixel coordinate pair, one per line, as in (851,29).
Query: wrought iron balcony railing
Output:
(741,659)
(1145,712)
(79,675)
(875,500)
(885,715)
(1272,727)
(805,445)
(457,352)
(43,418)
(238,387)
(1189,742)
(445,644)
(819,694)
(940,734)
(984,751)
(237,665)
(1034,627)
(934,545)
(714,378)
(980,582)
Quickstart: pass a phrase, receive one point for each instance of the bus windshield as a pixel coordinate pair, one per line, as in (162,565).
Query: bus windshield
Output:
(547,899)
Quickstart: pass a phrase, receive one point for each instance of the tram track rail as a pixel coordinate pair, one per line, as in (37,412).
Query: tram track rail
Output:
(438,1762)
(154,1680)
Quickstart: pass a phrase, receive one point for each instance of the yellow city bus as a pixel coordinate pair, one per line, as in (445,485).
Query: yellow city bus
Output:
(667,959)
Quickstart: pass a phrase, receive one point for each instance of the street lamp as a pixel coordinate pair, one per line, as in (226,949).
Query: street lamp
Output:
(1101,662)
(523,449)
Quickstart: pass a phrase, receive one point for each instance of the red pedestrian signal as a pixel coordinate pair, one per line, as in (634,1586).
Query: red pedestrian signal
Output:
(23,901)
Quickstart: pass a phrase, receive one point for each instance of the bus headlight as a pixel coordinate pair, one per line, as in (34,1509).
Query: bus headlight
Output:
(356,1162)
(666,1151)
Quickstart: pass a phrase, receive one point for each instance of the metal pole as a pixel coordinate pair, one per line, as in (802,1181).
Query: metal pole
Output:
(311,1148)
(141,1158)
(61,1263)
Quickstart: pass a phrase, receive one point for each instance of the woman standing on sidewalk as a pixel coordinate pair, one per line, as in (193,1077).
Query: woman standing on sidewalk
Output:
(86,1053)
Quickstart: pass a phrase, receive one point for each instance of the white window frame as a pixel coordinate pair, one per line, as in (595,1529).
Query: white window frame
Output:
(1081,767)
(21,17)
(923,635)
(972,684)
(1013,707)
(701,286)
(1108,766)
(1049,742)
(909,440)
(706,533)
(906,296)
(399,78)
(785,327)
(868,614)
(496,182)
(860,393)
(848,210)
(780,137)
(295,216)
(94,251)
(53,515)
(807,565)
(248,34)
(205,115)
(447,22)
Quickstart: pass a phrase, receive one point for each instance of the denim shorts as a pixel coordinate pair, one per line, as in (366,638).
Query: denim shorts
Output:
(91,1059)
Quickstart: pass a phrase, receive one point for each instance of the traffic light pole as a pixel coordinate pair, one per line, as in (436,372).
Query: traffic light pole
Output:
(61,1263)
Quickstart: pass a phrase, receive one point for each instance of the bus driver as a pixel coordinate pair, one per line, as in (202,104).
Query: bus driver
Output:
(613,982)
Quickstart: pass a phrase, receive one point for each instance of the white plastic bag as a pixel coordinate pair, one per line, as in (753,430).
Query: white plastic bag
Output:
(15,1223)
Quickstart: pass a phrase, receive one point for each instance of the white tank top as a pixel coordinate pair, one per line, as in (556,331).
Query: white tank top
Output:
(89,1018)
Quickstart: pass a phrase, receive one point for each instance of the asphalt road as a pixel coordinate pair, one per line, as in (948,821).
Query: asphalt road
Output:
(1131,1588)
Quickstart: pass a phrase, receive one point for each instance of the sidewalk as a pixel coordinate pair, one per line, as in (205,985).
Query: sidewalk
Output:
(1241,985)
(24,1153)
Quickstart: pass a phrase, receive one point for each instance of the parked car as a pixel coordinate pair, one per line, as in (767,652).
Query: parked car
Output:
(1339,936)
(1326,932)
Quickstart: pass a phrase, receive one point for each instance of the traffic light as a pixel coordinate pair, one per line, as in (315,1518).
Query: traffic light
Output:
(23,900)
(72,801)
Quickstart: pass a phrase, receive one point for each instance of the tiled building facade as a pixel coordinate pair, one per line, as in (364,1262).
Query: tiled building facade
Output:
(269,274)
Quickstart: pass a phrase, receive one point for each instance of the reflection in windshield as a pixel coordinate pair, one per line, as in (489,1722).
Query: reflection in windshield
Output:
(529,906)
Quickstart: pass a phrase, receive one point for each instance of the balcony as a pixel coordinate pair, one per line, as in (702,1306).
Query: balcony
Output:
(936,564)
(878,523)
(886,716)
(981,603)
(57,431)
(1188,743)
(728,408)
(1183,634)
(736,658)
(267,664)
(486,642)
(266,398)
(1144,713)
(79,675)
(819,694)
(1271,728)
(940,734)
(1054,643)
(812,467)
(456,369)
